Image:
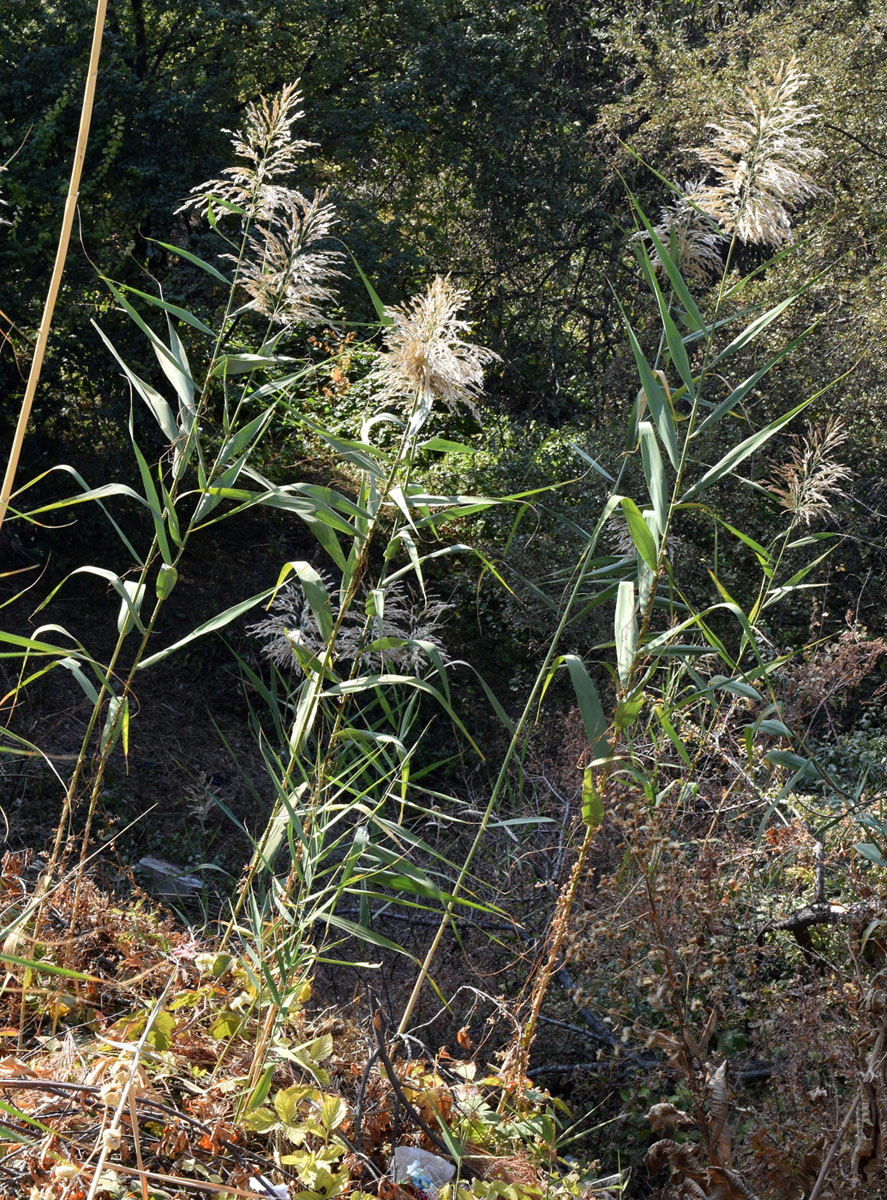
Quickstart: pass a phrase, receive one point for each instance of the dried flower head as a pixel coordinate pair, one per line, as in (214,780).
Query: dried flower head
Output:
(812,477)
(286,269)
(402,620)
(761,154)
(267,143)
(690,234)
(425,355)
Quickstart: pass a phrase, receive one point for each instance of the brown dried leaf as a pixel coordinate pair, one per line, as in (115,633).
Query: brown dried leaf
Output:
(666,1116)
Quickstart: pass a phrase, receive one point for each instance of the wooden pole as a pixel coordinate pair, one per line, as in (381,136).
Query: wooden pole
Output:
(60,256)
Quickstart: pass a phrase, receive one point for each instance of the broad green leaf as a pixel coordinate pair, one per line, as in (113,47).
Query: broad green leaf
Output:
(174,309)
(158,406)
(162,1028)
(589,702)
(628,711)
(226,1024)
(192,258)
(870,851)
(757,327)
(774,727)
(676,347)
(654,473)
(71,664)
(592,801)
(131,607)
(444,446)
(657,398)
(738,687)
(384,319)
(211,626)
(167,577)
(672,734)
(260,1120)
(247,435)
(739,393)
(151,495)
(595,466)
(640,533)
(675,278)
(626,631)
(315,593)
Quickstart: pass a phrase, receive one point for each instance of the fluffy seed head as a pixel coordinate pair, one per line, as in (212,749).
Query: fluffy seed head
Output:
(271,152)
(761,154)
(286,269)
(690,235)
(812,477)
(425,354)
(407,626)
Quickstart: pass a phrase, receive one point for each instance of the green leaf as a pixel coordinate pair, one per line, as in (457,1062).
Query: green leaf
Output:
(757,327)
(315,593)
(654,473)
(288,1104)
(118,711)
(158,406)
(215,623)
(626,631)
(628,711)
(870,851)
(167,578)
(192,258)
(384,319)
(739,453)
(592,802)
(260,1120)
(174,309)
(739,393)
(444,446)
(333,1112)
(675,278)
(226,1025)
(162,1028)
(640,533)
(131,606)
(589,702)
(657,399)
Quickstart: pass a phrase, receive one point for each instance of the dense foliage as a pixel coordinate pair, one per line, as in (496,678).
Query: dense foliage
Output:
(506,394)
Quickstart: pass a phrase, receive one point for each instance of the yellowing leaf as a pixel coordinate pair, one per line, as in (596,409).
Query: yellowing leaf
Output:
(260,1120)
(226,1024)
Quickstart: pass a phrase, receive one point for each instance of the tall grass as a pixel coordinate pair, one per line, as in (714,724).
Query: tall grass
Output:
(344,714)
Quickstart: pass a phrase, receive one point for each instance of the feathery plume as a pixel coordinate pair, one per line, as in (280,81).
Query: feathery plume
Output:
(267,143)
(404,625)
(689,233)
(761,154)
(812,477)
(284,269)
(425,354)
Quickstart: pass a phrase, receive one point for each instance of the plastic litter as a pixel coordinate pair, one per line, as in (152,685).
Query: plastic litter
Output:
(264,1187)
(424,1171)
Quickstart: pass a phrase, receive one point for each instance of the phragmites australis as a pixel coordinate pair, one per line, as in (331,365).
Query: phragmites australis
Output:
(266,142)
(761,153)
(425,357)
(390,629)
(811,479)
(287,265)
(689,234)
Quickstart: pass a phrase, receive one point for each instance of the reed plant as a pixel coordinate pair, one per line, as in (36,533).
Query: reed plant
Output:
(346,706)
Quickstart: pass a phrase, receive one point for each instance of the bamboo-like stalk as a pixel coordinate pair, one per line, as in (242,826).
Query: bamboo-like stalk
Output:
(60,255)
